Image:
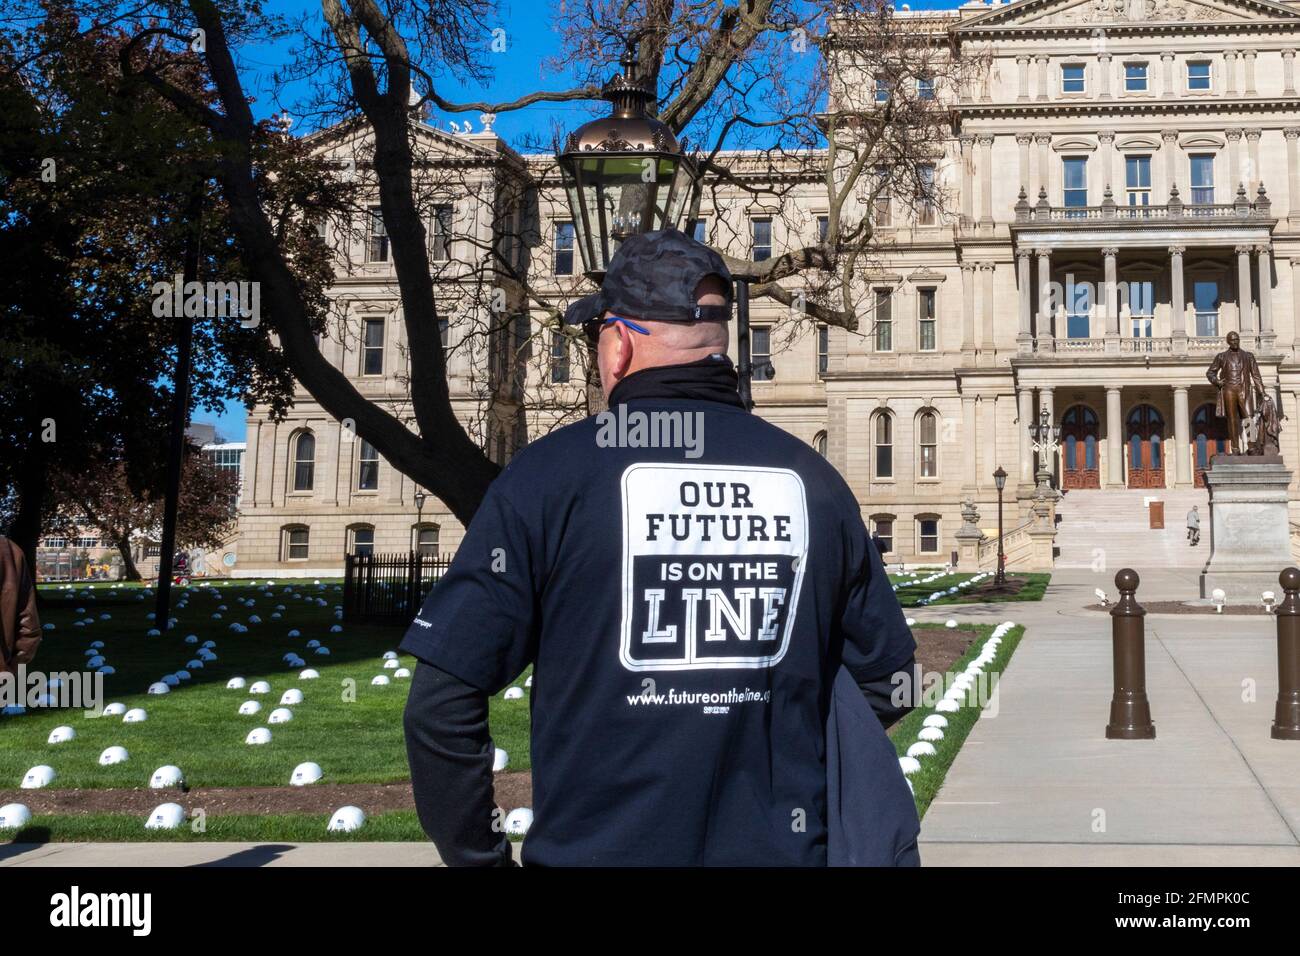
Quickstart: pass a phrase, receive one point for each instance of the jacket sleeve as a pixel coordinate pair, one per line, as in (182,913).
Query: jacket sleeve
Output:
(878,644)
(28,634)
(450,753)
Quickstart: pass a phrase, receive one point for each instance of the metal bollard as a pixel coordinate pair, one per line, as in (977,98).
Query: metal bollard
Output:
(1130,711)
(1286,718)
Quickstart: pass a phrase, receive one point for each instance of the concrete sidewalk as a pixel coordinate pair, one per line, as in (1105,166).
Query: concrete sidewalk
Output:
(107,855)
(1039,784)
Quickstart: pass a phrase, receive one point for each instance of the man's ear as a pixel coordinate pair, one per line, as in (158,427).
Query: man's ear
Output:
(622,351)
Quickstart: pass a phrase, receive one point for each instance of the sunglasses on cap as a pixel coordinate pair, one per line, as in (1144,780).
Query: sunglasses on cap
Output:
(592,327)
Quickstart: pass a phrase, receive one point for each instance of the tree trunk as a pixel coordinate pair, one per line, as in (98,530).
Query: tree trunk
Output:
(25,531)
(129,571)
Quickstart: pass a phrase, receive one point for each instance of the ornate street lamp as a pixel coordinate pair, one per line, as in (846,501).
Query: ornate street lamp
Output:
(420,499)
(1000,482)
(626,173)
(1044,437)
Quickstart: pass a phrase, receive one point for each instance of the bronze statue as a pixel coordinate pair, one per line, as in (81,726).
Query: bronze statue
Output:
(1268,430)
(1235,373)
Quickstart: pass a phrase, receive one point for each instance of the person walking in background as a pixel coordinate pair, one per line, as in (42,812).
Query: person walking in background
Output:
(1193,527)
(20,626)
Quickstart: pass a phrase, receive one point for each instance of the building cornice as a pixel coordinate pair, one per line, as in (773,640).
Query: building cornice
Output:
(1147,108)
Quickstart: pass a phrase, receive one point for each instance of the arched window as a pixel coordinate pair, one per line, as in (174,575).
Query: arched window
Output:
(426,539)
(295,542)
(304,461)
(884,438)
(361,539)
(819,443)
(368,467)
(927,432)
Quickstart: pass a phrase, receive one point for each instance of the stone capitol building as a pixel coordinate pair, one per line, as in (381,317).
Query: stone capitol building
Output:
(1124,190)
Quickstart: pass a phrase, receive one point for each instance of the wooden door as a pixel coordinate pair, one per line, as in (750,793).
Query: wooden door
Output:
(1145,442)
(1079,468)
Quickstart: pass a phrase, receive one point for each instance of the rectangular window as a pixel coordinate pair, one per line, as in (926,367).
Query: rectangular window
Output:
(1075,182)
(1198,75)
(929,445)
(925,195)
(363,540)
(372,351)
(563,264)
(1141,307)
(443,327)
(1205,295)
(698,229)
(823,227)
(1078,303)
(296,544)
(760,353)
(1137,180)
(427,541)
(1135,77)
(761,238)
(559,357)
(883,89)
(440,234)
(368,470)
(883,201)
(1202,170)
(1072,78)
(823,348)
(925,336)
(929,535)
(924,88)
(378,245)
(884,321)
(884,446)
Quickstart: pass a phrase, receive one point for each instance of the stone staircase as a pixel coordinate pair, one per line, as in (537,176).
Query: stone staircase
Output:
(1116,520)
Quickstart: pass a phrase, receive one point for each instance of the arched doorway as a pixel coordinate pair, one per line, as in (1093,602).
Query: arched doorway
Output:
(1209,438)
(1144,437)
(1079,448)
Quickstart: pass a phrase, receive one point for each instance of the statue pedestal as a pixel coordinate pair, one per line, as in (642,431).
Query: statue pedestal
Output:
(1250,529)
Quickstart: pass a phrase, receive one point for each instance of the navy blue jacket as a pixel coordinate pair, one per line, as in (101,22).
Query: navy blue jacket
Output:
(686,610)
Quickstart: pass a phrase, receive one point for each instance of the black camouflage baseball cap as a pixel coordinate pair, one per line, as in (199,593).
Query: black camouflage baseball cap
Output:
(653,276)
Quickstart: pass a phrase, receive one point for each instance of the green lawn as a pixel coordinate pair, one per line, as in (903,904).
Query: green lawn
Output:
(349,727)
(911,594)
(927,781)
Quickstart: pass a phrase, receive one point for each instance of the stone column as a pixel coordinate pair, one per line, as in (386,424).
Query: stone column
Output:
(1230,72)
(968,441)
(252,463)
(1022,71)
(1169,138)
(1024,337)
(1045,333)
(1252,144)
(986,180)
(1107,139)
(1292,133)
(1110,296)
(1288,72)
(1042,77)
(1167,68)
(1182,438)
(1295,306)
(1114,438)
(1249,57)
(968,308)
(1235,172)
(1177,300)
(967,141)
(1023,140)
(987,274)
(1044,141)
(1245,313)
(1103,75)
(1026,416)
(1265,255)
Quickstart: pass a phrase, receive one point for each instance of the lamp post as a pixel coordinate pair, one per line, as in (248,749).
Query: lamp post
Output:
(1000,482)
(1044,437)
(420,499)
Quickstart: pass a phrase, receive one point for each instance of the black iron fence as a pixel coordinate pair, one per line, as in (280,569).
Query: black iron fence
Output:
(389,588)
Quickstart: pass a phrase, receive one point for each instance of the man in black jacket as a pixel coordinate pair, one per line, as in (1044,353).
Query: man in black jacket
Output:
(687,580)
